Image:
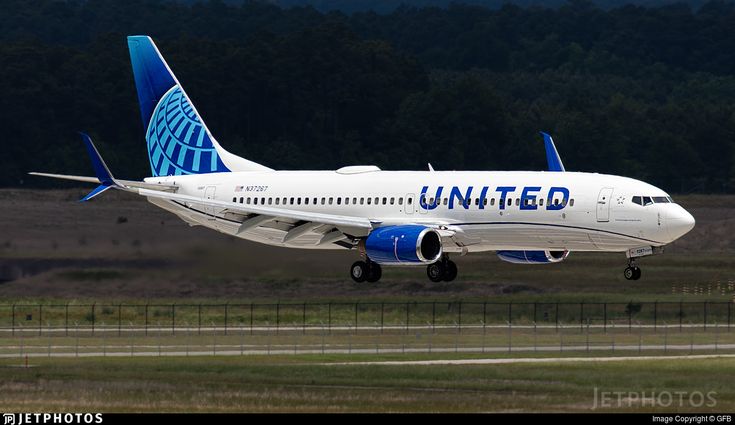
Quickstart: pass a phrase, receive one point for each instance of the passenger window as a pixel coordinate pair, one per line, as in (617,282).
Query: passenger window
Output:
(234,199)
(410,201)
(541,202)
(278,201)
(339,200)
(492,201)
(647,201)
(323,199)
(241,199)
(270,201)
(347,201)
(377,200)
(262,201)
(291,201)
(431,201)
(306,201)
(556,202)
(571,202)
(510,201)
(255,201)
(392,201)
(484,201)
(518,201)
(370,200)
(298,201)
(477,201)
(247,201)
(385,201)
(400,201)
(362,201)
(331,200)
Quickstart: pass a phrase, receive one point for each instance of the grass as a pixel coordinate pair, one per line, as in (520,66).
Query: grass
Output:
(272,385)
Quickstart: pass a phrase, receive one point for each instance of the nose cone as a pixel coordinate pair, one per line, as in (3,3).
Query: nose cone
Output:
(679,222)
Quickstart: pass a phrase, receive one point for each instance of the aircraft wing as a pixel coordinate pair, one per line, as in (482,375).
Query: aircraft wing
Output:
(301,222)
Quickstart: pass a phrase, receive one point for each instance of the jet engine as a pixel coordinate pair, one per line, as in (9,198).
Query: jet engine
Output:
(403,244)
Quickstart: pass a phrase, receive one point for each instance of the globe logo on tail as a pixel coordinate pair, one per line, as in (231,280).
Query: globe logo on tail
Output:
(178,143)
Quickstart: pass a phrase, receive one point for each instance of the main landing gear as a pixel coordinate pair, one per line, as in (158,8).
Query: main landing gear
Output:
(632,272)
(443,270)
(362,271)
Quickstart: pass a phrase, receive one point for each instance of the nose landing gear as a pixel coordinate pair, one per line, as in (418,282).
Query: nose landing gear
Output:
(632,272)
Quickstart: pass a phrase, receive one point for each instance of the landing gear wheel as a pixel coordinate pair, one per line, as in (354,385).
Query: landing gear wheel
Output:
(436,271)
(359,271)
(450,271)
(632,273)
(374,272)
(628,273)
(636,272)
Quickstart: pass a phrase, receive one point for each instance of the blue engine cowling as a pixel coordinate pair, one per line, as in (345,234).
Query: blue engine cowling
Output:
(404,244)
(533,257)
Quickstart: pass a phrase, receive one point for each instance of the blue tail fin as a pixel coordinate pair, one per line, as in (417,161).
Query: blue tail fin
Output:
(178,140)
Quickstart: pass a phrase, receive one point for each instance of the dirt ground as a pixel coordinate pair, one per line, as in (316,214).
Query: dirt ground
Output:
(121,247)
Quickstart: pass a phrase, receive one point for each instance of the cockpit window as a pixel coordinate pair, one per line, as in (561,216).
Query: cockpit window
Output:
(661,199)
(637,200)
(647,201)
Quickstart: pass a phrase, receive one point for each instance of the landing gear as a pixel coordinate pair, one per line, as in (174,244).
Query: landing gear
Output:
(362,271)
(443,270)
(632,272)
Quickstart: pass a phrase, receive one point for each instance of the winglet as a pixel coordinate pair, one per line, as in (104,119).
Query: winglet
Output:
(100,169)
(552,156)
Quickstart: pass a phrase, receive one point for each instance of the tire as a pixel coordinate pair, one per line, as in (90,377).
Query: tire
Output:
(435,272)
(359,271)
(374,272)
(629,273)
(636,273)
(450,271)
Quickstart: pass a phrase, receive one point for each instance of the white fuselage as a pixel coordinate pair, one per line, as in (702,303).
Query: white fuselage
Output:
(598,214)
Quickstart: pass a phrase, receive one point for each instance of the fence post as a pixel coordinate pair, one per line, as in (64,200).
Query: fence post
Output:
(13,320)
(484,315)
(173,319)
(433,316)
(199,320)
(407,313)
(329,317)
(681,314)
(146,320)
(40,314)
(382,315)
(93,318)
(729,310)
(655,316)
(510,313)
(226,305)
(66,320)
(556,318)
(534,312)
(705,316)
(356,309)
(581,316)
(251,318)
(303,320)
(119,319)
(459,318)
(604,315)
(278,316)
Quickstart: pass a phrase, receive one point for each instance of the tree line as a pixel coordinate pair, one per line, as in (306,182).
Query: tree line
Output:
(646,92)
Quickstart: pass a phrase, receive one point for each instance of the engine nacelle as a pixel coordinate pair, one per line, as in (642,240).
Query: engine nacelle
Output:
(404,244)
(533,257)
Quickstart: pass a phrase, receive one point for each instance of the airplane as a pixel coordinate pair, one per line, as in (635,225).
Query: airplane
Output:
(390,218)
